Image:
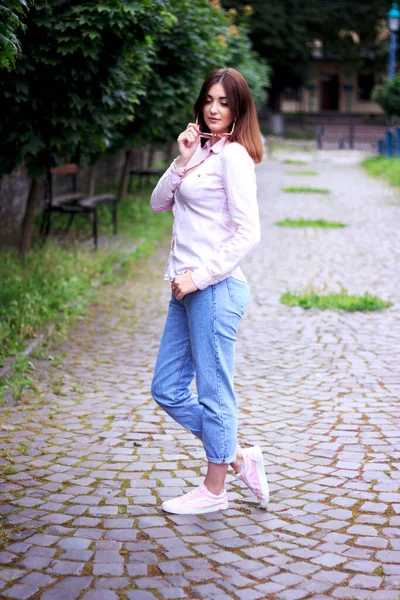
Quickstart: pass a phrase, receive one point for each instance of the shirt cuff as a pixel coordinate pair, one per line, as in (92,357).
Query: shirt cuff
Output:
(201,278)
(176,170)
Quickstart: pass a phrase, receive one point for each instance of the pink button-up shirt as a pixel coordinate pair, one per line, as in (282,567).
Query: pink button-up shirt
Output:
(216,220)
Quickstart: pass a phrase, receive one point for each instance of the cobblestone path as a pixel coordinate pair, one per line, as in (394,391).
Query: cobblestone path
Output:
(87,464)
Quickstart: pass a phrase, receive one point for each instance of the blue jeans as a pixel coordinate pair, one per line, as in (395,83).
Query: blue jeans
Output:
(199,341)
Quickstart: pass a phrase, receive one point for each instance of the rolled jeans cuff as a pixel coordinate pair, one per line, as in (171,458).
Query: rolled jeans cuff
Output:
(222,461)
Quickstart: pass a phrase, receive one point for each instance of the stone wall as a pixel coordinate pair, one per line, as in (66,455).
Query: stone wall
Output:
(13,195)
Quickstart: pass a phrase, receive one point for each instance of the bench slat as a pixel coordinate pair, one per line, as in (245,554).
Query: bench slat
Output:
(67,198)
(147,171)
(98,199)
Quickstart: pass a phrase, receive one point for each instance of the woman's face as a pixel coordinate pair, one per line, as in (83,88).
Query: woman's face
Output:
(216,111)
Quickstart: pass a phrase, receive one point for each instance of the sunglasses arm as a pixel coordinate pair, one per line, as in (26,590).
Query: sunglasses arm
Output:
(210,135)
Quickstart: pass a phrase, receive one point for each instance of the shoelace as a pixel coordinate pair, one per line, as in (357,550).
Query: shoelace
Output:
(195,492)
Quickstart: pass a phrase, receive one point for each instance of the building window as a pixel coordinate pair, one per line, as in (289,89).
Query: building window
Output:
(365,84)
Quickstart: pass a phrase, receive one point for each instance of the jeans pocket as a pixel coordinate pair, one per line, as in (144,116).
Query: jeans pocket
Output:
(239,292)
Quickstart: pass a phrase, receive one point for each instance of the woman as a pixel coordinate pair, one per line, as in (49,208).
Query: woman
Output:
(211,189)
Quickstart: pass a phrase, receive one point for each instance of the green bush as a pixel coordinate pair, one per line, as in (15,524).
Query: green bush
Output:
(387,95)
(10,26)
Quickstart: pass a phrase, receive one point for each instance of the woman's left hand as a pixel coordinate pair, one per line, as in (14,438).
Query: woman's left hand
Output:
(182,285)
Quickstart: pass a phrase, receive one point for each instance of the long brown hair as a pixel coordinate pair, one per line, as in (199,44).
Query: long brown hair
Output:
(247,131)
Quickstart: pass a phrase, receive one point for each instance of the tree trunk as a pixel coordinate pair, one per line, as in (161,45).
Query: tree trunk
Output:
(275,120)
(35,196)
(150,156)
(274,99)
(123,187)
(276,124)
(92,180)
(168,152)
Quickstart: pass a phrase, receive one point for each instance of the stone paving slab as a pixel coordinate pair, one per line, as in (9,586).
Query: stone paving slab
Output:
(86,464)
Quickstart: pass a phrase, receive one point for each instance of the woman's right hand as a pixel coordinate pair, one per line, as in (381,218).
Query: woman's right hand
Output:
(188,141)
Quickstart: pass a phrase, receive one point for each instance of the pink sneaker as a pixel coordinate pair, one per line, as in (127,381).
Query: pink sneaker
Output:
(197,502)
(253,474)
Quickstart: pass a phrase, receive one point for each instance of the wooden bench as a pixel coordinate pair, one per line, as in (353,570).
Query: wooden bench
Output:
(141,168)
(146,174)
(74,203)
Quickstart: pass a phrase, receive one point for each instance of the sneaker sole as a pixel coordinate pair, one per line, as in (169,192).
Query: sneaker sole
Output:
(194,511)
(262,476)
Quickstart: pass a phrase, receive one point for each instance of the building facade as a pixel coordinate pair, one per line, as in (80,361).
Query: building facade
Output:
(332,87)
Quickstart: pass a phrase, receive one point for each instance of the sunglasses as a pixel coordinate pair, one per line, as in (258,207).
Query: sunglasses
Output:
(211,135)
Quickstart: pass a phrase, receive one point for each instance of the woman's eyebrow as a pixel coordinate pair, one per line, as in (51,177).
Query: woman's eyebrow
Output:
(220,98)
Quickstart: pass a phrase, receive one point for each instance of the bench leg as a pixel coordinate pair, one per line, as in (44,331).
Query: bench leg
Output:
(47,223)
(43,222)
(95,228)
(114,209)
(68,227)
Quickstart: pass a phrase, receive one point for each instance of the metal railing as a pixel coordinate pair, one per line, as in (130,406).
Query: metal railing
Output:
(389,145)
(348,133)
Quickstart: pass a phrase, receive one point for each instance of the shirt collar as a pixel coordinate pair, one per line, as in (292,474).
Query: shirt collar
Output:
(217,147)
(204,152)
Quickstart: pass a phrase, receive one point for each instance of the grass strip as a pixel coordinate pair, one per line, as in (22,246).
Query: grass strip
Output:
(55,282)
(385,168)
(305,190)
(342,301)
(310,223)
(296,173)
(289,161)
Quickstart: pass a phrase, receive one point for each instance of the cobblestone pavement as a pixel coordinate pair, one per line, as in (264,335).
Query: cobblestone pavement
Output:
(87,463)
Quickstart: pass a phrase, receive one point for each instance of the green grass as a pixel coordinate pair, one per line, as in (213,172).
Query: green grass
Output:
(342,301)
(55,282)
(17,381)
(309,223)
(10,469)
(24,447)
(386,168)
(4,536)
(305,190)
(302,173)
(288,161)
